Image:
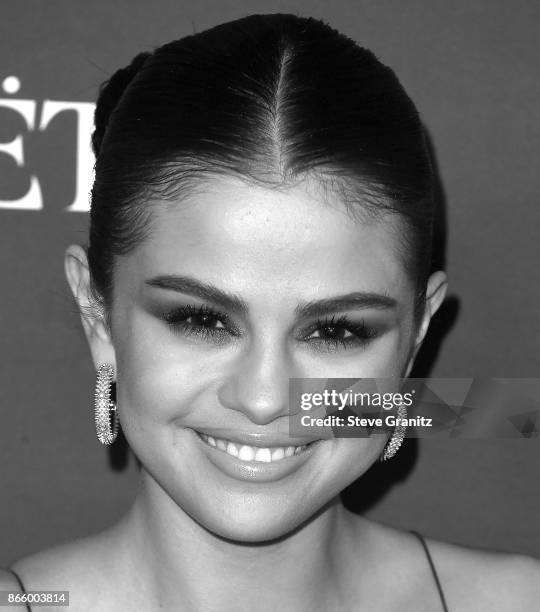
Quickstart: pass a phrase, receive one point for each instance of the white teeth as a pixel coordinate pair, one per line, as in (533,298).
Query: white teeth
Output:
(246,453)
(279,453)
(232,450)
(263,454)
(252,453)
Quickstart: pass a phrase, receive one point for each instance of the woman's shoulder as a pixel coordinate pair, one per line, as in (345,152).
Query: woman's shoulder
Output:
(495,580)
(59,560)
(79,566)
(470,578)
(8,581)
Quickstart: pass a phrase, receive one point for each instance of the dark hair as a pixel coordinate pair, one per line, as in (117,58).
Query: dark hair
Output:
(272,99)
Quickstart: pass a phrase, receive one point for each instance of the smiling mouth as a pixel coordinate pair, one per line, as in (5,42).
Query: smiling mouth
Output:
(245,452)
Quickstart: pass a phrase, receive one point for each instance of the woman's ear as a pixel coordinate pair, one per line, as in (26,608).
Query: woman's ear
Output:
(92,316)
(435,294)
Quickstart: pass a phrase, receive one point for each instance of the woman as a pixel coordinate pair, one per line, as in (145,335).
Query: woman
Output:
(262,210)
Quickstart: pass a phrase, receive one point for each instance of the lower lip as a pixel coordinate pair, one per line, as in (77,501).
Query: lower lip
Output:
(256,471)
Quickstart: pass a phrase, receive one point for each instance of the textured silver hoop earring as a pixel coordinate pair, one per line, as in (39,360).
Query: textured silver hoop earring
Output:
(396,440)
(104,406)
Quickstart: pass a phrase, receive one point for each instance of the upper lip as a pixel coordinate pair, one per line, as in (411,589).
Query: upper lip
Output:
(259,439)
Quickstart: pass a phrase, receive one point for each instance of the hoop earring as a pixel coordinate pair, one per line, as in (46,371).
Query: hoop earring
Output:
(396,440)
(106,431)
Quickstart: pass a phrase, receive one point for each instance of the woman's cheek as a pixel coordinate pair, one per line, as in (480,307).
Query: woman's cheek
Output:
(164,378)
(161,391)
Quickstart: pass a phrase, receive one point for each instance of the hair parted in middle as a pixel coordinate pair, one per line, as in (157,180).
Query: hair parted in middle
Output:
(270,99)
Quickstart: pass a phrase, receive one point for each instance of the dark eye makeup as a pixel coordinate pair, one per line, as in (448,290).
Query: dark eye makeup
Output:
(331,333)
(325,334)
(202,322)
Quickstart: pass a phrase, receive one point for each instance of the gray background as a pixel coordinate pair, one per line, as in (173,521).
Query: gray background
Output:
(471,68)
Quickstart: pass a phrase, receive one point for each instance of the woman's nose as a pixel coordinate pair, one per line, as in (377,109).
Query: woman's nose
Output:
(258,383)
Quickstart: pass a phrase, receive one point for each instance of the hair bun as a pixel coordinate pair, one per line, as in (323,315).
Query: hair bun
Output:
(110,93)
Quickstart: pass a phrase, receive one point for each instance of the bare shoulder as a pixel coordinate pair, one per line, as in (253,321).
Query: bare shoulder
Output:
(471,579)
(79,566)
(8,582)
(60,562)
(479,579)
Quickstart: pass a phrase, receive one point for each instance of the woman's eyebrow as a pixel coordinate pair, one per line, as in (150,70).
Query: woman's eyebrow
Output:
(349,301)
(234,303)
(200,289)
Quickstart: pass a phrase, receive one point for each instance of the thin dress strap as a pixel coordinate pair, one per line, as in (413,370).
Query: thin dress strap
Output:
(433,570)
(21,585)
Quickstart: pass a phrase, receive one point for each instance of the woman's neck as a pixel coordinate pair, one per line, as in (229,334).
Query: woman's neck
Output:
(174,562)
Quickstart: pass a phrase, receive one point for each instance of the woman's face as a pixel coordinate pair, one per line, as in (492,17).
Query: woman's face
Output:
(236,290)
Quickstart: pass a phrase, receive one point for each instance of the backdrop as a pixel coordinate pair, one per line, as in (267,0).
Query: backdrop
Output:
(471,68)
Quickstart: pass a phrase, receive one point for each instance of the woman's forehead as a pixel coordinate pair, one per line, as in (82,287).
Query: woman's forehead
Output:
(229,208)
(249,234)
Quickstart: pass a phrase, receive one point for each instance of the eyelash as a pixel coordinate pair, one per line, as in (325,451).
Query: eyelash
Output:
(177,320)
(361,333)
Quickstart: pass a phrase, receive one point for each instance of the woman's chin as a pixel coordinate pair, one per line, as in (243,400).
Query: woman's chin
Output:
(252,530)
(259,520)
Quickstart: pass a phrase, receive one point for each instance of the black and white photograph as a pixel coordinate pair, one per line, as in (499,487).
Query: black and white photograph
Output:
(269,310)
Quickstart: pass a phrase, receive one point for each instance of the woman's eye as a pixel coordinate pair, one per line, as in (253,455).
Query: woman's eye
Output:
(332,332)
(335,333)
(201,322)
(205,320)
